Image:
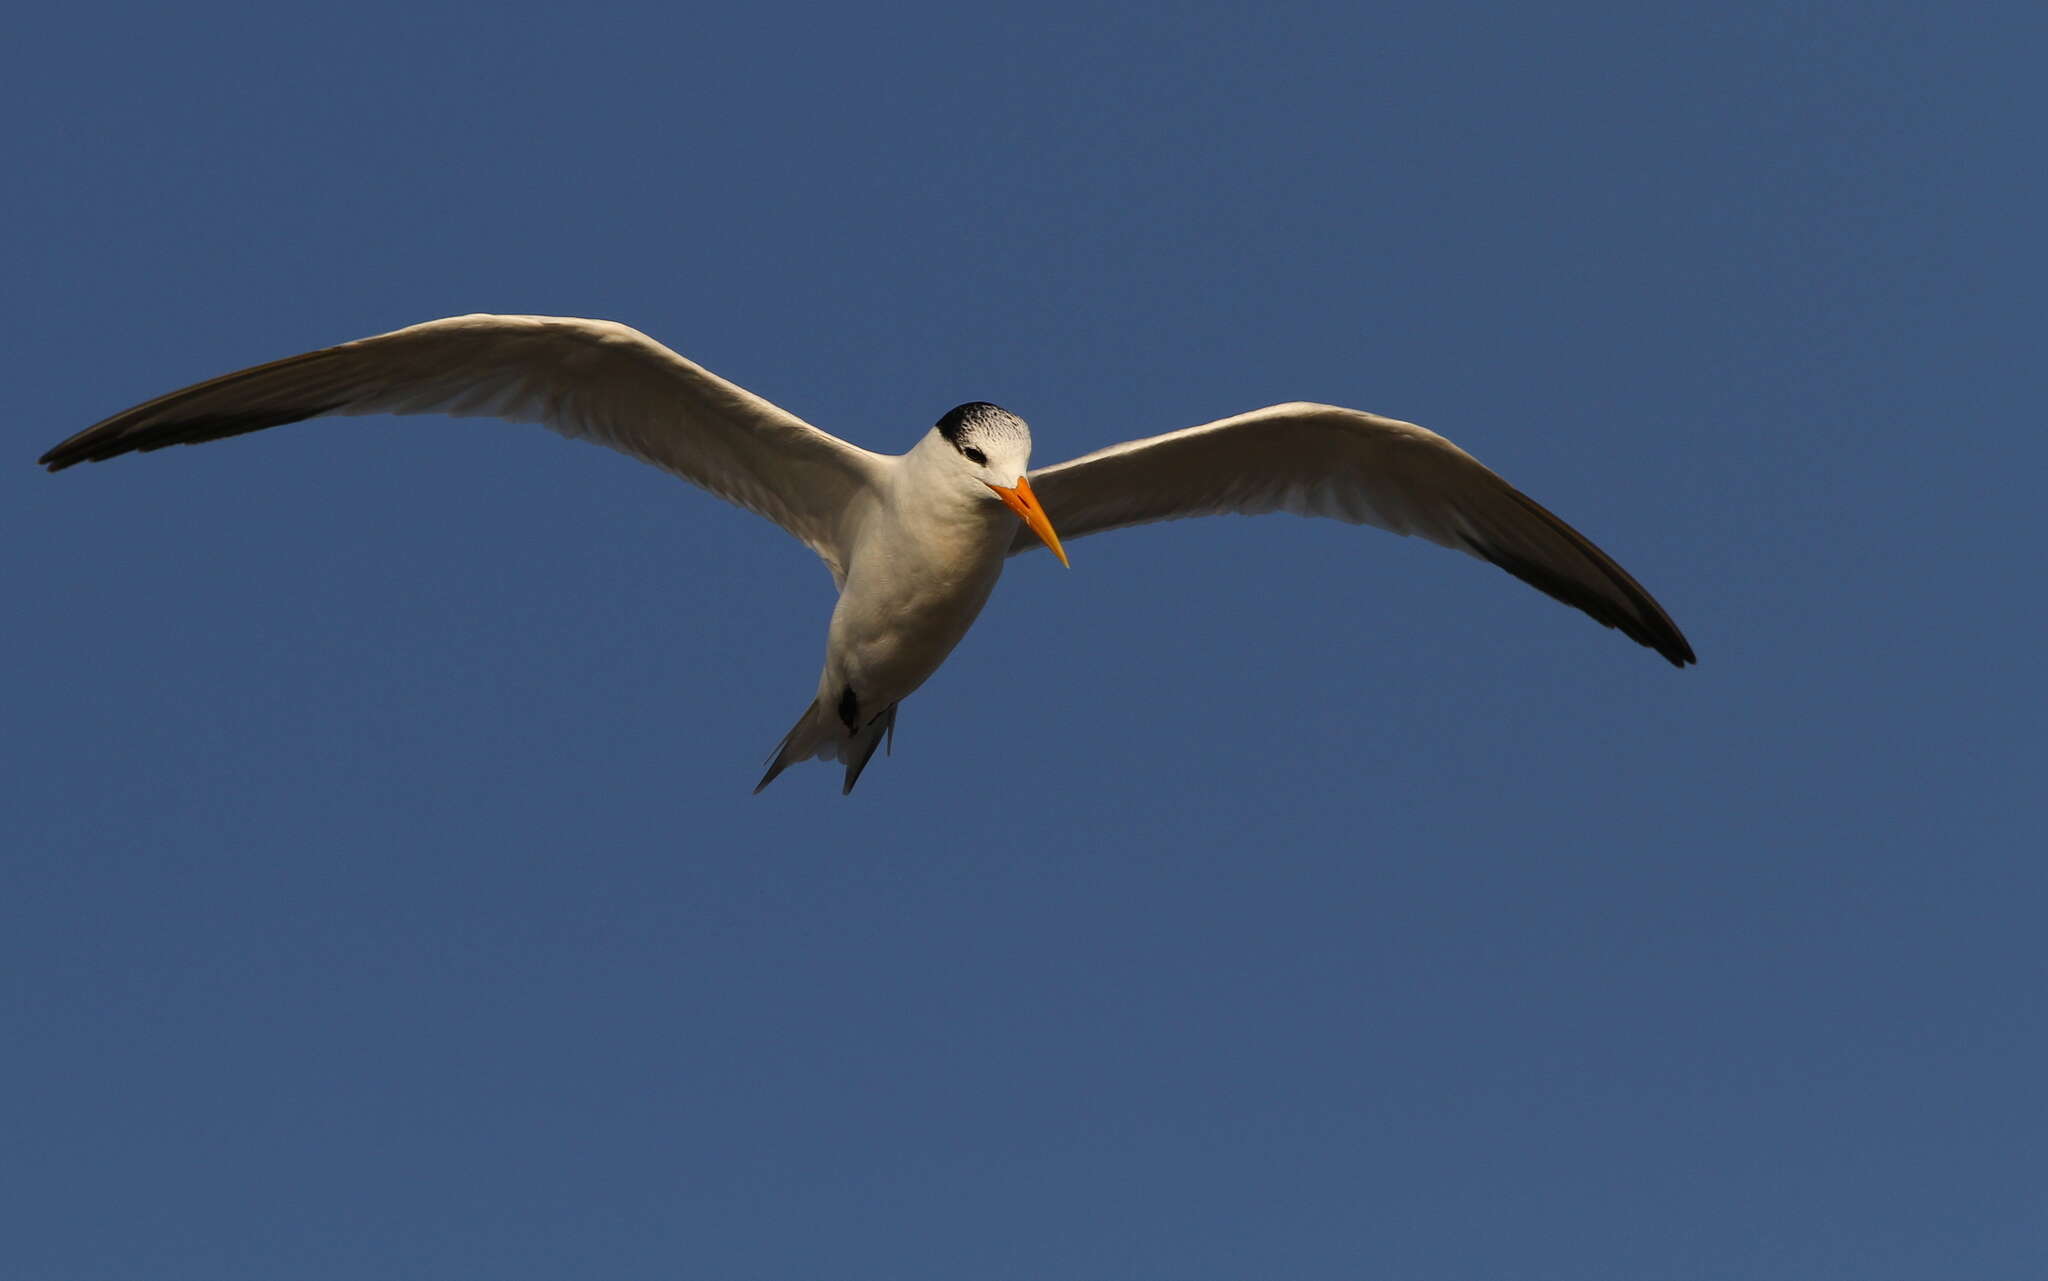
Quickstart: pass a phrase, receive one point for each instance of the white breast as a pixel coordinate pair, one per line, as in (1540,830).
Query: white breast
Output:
(923,567)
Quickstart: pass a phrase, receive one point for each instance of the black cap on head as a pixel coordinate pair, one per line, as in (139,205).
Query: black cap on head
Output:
(974,418)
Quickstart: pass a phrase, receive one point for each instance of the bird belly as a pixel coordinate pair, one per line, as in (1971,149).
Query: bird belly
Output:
(906,604)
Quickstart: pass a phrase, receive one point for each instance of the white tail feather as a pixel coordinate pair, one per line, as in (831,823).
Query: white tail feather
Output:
(818,735)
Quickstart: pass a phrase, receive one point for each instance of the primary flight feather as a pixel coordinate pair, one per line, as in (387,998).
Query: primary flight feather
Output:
(915,541)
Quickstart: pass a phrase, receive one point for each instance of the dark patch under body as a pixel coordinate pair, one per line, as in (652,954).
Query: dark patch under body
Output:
(849,710)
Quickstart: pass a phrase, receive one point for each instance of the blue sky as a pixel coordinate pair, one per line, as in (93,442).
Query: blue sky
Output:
(384,894)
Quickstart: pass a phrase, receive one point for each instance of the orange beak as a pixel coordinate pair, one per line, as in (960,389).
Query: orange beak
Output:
(1025,503)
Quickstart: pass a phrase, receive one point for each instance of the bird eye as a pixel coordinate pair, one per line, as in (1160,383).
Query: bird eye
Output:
(975,456)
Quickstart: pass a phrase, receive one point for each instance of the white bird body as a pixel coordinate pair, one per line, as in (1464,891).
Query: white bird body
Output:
(926,560)
(915,542)
(925,555)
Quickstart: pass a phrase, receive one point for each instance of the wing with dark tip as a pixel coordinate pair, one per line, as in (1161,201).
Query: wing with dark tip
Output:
(588,379)
(1320,460)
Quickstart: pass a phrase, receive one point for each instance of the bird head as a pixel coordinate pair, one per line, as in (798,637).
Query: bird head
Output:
(996,445)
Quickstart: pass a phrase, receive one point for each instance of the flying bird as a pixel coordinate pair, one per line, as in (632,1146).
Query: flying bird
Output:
(915,542)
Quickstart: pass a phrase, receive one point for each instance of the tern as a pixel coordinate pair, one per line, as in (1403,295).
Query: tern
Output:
(915,542)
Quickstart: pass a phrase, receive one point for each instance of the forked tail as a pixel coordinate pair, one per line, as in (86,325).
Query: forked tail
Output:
(819,735)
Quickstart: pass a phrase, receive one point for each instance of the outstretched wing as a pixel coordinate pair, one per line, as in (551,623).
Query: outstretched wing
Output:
(1320,460)
(587,379)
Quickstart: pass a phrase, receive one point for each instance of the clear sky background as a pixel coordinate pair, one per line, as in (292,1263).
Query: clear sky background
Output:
(382,893)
